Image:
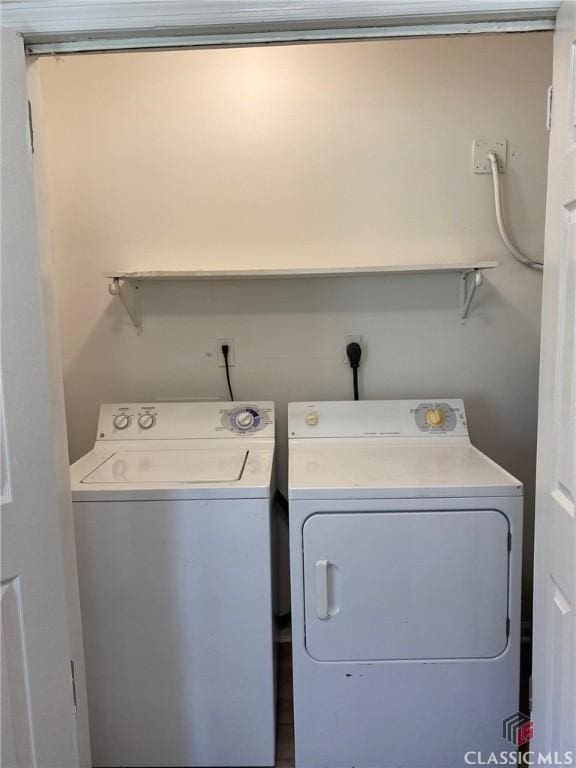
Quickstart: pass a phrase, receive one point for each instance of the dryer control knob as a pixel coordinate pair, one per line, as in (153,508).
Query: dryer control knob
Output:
(146,420)
(312,419)
(122,421)
(245,420)
(434,417)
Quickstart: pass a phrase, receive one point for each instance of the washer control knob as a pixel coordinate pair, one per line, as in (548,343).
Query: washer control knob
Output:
(121,421)
(146,420)
(434,417)
(312,419)
(245,420)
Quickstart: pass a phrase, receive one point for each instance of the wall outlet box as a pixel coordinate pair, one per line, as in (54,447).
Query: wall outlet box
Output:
(231,353)
(481,147)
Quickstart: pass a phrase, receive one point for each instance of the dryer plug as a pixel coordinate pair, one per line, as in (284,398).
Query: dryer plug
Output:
(354,353)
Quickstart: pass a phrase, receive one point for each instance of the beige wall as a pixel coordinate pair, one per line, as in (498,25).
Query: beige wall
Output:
(317,155)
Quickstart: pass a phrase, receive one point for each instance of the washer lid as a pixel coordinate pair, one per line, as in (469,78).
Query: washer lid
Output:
(175,465)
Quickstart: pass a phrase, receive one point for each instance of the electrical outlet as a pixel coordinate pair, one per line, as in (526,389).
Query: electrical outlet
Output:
(348,340)
(481,147)
(231,353)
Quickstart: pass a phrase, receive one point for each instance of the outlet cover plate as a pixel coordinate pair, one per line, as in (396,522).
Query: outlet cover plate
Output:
(481,147)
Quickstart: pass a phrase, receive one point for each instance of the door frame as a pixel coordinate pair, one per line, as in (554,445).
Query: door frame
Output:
(69,26)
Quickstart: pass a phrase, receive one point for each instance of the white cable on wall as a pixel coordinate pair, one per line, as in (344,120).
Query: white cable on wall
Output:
(518,255)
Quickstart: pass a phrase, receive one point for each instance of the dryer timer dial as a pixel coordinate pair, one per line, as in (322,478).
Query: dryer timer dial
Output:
(435,417)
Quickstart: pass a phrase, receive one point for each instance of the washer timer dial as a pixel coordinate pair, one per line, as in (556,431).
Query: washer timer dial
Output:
(243,420)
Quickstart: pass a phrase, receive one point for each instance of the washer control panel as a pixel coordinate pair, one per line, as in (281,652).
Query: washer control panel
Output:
(184,421)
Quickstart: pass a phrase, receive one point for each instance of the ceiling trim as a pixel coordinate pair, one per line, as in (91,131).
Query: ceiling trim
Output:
(173,42)
(50,26)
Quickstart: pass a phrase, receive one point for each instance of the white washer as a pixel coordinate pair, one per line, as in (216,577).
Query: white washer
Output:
(406,547)
(173,522)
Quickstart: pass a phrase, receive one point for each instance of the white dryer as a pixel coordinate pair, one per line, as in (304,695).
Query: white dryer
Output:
(174,525)
(405,547)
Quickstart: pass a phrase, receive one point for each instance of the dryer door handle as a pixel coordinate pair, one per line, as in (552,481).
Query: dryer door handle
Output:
(322,597)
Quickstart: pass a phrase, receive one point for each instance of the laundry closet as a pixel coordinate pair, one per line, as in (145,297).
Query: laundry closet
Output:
(332,192)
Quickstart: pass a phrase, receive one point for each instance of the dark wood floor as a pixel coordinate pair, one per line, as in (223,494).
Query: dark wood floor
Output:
(285,744)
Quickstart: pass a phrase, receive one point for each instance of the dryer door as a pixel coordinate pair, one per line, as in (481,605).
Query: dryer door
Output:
(406,585)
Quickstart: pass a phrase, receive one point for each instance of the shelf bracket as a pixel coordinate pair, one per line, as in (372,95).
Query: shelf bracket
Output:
(128,291)
(471,280)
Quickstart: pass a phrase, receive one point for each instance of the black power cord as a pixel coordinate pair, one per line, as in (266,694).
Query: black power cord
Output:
(354,352)
(225,354)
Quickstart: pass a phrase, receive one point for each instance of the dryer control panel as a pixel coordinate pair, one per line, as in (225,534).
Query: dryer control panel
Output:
(378,418)
(185,421)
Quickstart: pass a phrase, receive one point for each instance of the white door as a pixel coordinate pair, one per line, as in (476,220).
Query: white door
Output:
(38,592)
(554,665)
(406,585)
